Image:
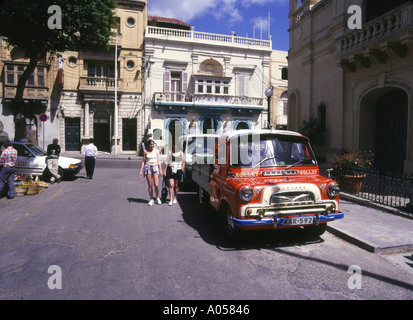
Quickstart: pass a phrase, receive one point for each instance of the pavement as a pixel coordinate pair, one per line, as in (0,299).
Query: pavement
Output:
(375,228)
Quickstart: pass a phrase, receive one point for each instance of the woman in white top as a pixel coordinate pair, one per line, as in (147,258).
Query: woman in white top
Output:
(174,173)
(151,167)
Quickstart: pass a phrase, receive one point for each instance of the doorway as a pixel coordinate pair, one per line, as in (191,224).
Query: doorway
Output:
(129,134)
(101,131)
(176,130)
(391,131)
(72,134)
(383,127)
(210,125)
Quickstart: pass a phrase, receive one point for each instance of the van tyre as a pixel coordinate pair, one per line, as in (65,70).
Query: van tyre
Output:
(230,229)
(203,197)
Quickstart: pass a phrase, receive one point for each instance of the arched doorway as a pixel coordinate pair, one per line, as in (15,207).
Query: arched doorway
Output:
(175,127)
(383,127)
(101,131)
(242,125)
(209,126)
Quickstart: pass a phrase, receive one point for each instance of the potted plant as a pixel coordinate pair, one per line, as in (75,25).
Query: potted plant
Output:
(350,169)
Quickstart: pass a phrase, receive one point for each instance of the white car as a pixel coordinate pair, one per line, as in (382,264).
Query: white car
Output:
(32,160)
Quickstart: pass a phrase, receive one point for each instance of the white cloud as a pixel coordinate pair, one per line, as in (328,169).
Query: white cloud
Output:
(184,10)
(222,10)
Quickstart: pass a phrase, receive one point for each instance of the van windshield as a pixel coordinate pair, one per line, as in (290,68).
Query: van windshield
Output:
(270,150)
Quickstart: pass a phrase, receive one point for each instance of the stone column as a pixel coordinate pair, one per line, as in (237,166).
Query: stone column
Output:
(86,119)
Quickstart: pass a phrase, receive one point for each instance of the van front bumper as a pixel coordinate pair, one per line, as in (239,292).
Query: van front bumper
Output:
(282,222)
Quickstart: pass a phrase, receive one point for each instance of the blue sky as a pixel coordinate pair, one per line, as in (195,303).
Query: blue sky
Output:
(224,16)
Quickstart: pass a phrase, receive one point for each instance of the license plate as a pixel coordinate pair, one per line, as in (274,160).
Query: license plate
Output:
(298,221)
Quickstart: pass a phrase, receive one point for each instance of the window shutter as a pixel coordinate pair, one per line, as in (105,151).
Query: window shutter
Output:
(167,81)
(184,82)
(243,85)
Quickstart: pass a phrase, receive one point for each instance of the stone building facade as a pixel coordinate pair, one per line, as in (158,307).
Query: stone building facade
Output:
(199,82)
(358,82)
(87,107)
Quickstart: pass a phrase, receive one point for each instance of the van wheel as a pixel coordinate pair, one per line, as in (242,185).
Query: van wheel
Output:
(231,230)
(203,197)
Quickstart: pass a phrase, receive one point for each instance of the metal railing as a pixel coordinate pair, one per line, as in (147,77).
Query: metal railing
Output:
(390,189)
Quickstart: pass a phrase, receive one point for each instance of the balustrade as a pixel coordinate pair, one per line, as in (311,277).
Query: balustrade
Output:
(207,99)
(208,37)
(396,20)
(97,83)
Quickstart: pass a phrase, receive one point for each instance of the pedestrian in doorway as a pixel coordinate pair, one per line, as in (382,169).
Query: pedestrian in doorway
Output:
(52,161)
(151,168)
(8,160)
(90,153)
(174,173)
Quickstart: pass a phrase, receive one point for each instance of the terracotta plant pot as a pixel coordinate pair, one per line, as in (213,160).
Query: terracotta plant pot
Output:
(352,183)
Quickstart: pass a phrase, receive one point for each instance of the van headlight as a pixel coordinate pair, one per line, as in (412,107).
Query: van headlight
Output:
(246,193)
(333,190)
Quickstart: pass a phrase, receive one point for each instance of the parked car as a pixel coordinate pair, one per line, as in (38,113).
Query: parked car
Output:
(31,160)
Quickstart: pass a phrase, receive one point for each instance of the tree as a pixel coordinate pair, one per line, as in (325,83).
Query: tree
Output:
(33,26)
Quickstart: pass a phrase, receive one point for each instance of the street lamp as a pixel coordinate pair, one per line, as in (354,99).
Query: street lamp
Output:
(268,93)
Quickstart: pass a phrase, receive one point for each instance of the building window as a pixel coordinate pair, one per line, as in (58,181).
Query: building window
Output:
(217,87)
(176,84)
(284,74)
(10,75)
(130,65)
(100,71)
(72,61)
(322,115)
(37,78)
(130,22)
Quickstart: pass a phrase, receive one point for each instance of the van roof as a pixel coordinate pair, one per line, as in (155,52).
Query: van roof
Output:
(198,135)
(237,133)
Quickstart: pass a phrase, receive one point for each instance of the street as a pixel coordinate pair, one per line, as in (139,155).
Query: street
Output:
(109,244)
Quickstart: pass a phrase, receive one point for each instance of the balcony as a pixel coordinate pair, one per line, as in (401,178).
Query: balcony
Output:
(99,84)
(203,37)
(29,93)
(379,40)
(207,102)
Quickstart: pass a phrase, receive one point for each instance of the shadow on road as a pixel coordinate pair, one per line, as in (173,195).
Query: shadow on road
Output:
(137,200)
(208,224)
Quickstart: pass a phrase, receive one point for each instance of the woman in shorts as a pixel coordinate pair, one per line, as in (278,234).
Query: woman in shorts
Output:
(151,168)
(174,173)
